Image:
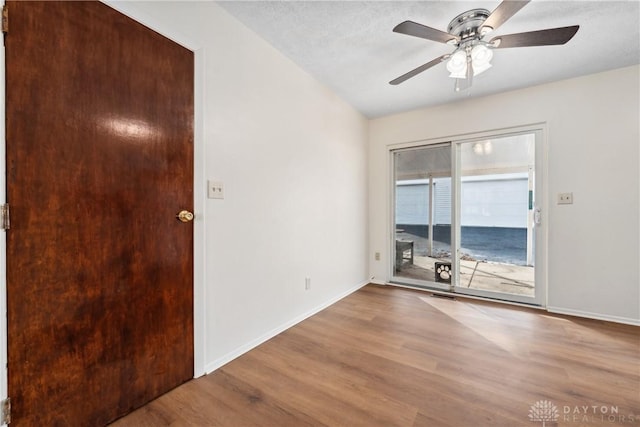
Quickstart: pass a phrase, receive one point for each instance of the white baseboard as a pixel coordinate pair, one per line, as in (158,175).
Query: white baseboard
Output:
(221,361)
(378,281)
(596,316)
(556,310)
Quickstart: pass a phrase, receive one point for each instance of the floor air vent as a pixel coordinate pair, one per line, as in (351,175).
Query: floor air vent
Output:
(444,296)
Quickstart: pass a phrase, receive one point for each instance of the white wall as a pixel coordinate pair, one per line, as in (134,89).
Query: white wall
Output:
(293,160)
(593,140)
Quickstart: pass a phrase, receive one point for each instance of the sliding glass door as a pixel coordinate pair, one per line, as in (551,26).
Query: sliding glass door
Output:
(478,200)
(496,213)
(422,225)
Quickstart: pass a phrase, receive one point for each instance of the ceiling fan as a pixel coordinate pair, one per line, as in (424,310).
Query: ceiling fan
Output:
(472,54)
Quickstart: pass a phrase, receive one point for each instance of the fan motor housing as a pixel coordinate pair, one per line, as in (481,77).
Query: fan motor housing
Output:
(467,23)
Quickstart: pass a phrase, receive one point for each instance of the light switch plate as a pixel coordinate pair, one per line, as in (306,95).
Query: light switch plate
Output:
(215,190)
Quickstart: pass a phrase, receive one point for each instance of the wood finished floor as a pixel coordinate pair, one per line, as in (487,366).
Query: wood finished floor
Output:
(388,356)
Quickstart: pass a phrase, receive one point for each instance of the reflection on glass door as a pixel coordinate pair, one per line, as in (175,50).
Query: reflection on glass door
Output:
(422,232)
(495,229)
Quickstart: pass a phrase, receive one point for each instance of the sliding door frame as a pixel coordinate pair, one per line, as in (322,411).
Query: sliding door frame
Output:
(430,176)
(406,280)
(541,206)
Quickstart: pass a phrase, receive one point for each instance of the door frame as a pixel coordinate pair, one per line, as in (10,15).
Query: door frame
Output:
(542,202)
(392,249)
(199,194)
(540,230)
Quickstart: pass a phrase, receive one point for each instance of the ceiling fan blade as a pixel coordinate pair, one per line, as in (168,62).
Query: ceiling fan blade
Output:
(504,11)
(418,70)
(411,28)
(551,36)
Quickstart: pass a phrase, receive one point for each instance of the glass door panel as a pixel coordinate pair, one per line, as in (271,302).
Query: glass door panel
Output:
(495,218)
(422,216)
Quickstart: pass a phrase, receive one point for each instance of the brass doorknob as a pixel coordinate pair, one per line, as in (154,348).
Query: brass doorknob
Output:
(185,216)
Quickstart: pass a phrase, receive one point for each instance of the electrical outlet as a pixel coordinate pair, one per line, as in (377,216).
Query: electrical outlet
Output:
(565,198)
(377,256)
(215,190)
(307,283)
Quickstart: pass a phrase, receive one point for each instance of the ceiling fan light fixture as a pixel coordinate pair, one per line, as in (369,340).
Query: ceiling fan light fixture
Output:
(478,69)
(481,58)
(459,74)
(457,65)
(472,54)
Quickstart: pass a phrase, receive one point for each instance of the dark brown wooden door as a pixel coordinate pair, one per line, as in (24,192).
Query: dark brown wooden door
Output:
(99,162)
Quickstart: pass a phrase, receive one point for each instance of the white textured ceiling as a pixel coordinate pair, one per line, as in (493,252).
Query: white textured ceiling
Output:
(350,47)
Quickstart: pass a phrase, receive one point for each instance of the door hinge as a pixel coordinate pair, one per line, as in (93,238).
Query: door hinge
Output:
(5,19)
(5,411)
(5,217)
